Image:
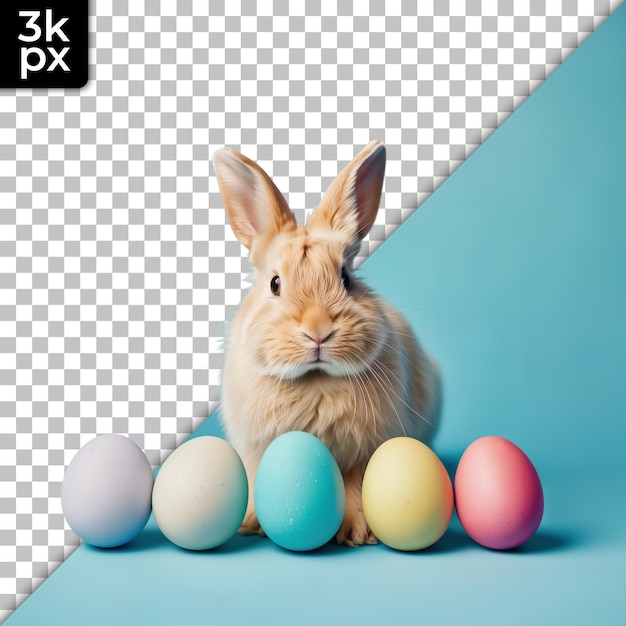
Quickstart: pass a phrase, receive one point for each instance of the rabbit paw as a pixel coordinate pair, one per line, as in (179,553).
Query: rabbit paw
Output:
(354,532)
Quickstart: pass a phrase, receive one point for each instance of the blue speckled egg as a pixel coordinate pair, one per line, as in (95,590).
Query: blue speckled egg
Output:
(299,493)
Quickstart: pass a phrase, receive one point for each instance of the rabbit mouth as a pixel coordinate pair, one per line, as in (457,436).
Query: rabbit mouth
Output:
(302,370)
(299,370)
(321,358)
(330,367)
(326,367)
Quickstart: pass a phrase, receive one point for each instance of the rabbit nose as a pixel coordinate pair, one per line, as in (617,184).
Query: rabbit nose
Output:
(317,325)
(318,338)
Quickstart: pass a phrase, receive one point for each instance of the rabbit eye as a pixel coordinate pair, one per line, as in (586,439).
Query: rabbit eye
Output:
(275,285)
(345,277)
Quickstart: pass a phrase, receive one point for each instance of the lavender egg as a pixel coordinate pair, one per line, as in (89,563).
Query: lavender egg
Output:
(106,494)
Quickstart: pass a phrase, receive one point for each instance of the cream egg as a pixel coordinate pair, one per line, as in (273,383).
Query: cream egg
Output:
(200,494)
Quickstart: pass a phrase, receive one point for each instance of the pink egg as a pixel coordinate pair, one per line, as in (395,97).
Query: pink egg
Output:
(498,494)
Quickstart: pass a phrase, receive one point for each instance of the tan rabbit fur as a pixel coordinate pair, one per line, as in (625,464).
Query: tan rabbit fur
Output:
(312,348)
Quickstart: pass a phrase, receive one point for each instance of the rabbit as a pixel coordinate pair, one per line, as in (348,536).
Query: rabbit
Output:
(311,347)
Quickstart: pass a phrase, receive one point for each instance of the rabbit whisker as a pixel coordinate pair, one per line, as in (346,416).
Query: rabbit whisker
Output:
(358,378)
(380,374)
(387,372)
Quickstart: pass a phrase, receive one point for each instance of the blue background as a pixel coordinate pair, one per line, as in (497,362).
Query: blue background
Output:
(513,275)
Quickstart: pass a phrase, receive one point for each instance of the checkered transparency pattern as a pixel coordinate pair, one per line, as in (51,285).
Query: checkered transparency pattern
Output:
(118,268)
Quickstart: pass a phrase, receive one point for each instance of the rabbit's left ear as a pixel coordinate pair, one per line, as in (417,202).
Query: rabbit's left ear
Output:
(351,201)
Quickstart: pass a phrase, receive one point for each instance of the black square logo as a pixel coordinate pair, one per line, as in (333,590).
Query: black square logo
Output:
(43,43)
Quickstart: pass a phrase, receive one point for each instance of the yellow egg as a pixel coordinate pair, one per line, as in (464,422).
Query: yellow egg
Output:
(407,495)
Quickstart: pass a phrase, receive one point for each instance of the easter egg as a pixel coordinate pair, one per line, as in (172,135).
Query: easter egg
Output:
(106,491)
(200,494)
(407,494)
(499,499)
(299,493)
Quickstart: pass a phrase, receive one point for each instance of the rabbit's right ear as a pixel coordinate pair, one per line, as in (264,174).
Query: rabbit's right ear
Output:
(253,203)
